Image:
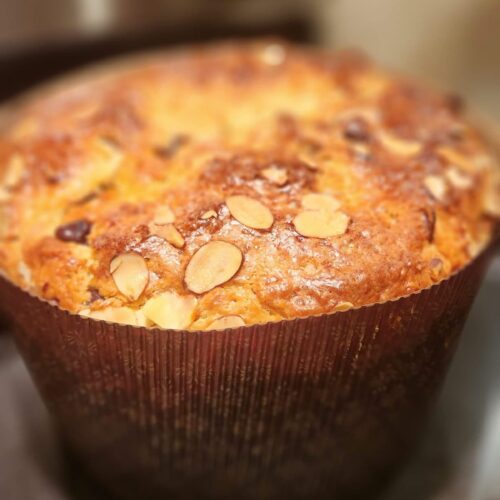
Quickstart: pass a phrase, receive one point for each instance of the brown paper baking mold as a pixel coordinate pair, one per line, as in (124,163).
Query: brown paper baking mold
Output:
(320,407)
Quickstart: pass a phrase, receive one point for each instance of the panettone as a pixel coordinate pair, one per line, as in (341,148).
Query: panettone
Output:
(240,183)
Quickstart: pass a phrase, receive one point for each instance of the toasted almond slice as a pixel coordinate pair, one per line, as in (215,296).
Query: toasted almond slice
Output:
(163,215)
(5,224)
(130,274)
(169,233)
(321,223)
(458,179)
(436,186)
(492,195)
(483,162)
(273,55)
(474,163)
(14,171)
(170,310)
(318,201)
(5,195)
(475,247)
(399,146)
(108,159)
(224,322)
(25,273)
(141,319)
(208,214)
(492,205)
(309,162)
(211,265)
(455,158)
(361,150)
(122,315)
(173,236)
(344,306)
(275,175)
(250,212)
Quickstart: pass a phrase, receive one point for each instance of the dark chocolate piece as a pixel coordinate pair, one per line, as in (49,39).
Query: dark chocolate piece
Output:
(76,231)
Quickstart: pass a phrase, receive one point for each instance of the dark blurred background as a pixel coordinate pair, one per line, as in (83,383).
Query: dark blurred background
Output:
(41,38)
(455,43)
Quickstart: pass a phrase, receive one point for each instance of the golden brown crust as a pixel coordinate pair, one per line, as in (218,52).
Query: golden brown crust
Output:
(270,122)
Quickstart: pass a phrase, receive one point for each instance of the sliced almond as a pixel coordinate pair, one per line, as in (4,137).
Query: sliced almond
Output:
(399,146)
(226,322)
(170,310)
(317,201)
(309,162)
(492,195)
(169,233)
(475,247)
(458,179)
(173,236)
(14,171)
(321,223)
(5,224)
(455,158)
(273,55)
(492,205)
(275,175)
(250,212)
(209,214)
(344,306)
(466,163)
(361,150)
(163,215)
(436,186)
(5,195)
(483,162)
(25,273)
(108,159)
(211,265)
(122,315)
(130,274)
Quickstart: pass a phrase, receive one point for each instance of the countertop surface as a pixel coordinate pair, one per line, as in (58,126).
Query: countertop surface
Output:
(459,457)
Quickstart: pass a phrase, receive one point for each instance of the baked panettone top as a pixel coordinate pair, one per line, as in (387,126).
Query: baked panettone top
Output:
(240,183)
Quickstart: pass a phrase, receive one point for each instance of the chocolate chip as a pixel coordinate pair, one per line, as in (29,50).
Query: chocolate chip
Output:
(454,103)
(94,295)
(172,147)
(55,179)
(356,129)
(76,231)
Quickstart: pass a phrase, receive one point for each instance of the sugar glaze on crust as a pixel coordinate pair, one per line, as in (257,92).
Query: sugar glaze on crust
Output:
(240,183)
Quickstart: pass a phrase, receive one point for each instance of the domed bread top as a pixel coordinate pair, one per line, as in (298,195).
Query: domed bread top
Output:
(241,183)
